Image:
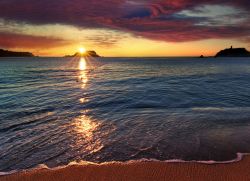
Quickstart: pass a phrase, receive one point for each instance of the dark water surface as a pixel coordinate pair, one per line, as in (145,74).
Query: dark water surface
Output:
(56,110)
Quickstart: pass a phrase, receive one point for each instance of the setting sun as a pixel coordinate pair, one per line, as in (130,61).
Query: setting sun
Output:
(82,50)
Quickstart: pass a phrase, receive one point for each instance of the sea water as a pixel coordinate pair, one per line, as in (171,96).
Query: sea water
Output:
(54,111)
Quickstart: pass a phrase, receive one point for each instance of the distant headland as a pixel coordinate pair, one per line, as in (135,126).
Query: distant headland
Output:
(86,54)
(7,53)
(233,52)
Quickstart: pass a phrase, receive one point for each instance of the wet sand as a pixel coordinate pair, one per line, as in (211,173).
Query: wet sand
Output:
(237,171)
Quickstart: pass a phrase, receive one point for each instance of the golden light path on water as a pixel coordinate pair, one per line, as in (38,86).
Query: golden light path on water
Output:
(88,136)
(83,72)
(85,126)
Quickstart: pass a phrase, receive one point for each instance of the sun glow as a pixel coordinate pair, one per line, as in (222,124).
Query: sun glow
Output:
(82,50)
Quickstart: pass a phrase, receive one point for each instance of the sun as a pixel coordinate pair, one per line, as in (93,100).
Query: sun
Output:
(82,50)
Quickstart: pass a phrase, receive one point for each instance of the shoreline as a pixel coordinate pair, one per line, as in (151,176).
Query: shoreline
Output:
(139,170)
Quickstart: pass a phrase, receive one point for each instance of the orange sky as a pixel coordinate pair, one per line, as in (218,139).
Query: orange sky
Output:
(124,28)
(127,45)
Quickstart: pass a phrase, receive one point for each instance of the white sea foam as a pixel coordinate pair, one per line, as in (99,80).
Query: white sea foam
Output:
(209,162)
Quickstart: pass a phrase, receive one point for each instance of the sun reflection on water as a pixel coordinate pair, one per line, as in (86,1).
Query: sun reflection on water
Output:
(82,64)
(89,132)
(83,72)
(86,129)
(86,126)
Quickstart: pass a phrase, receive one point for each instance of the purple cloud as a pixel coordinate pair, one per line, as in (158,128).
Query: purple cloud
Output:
(175,21)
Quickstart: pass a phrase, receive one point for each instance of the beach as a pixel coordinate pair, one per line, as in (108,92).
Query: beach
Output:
(147,170)
(124,90)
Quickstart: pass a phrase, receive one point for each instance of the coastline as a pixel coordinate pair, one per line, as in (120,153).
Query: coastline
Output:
(140,170)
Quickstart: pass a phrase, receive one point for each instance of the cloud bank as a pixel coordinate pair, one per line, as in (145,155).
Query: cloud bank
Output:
(165,20)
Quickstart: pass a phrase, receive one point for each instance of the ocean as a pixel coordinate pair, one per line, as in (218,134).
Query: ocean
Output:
(55,111)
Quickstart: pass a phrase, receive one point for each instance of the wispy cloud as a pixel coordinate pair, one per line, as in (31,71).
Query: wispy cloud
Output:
(10,40)
(216,15)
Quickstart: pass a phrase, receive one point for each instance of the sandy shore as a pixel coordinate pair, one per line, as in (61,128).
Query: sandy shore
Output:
(237,171)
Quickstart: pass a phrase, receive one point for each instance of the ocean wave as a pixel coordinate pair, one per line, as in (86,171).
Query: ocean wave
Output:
(239,157)
(221,109)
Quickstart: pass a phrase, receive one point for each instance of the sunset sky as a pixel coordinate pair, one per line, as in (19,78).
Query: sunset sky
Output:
(124,27)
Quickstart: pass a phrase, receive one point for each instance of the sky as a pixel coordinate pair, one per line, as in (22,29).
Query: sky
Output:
(124,27)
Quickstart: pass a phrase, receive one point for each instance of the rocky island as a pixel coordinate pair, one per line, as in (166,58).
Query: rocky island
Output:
(233,52)
(7,53)
(86,54)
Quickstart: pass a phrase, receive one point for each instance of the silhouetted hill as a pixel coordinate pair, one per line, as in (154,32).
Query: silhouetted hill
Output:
(233,52)
(87,54)
(6,53)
